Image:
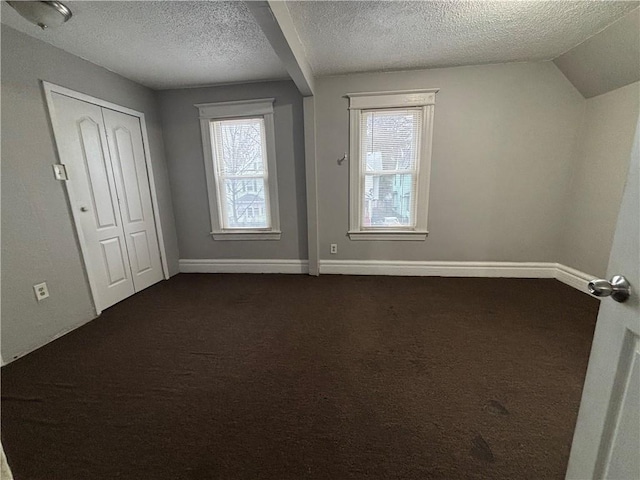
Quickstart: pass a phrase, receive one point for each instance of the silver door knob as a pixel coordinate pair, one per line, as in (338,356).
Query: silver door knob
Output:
(618,288)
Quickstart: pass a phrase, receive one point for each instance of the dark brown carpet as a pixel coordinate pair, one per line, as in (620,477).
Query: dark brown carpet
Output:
(293,377)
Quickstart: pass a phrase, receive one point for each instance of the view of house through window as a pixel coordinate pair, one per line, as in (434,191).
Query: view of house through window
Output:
(390,144)
(239,156)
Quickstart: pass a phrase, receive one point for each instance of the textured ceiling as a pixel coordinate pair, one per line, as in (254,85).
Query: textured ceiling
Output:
(164,44)
(344,37)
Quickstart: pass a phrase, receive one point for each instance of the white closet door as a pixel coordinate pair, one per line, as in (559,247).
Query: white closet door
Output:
(126,148)
(82,145)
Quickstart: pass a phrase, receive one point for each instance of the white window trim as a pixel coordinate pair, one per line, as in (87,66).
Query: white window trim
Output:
(262,107)
(425,99)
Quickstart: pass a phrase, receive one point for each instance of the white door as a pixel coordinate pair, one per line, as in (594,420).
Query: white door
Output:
(606,442)
(124,135)
(82,145)
(110,197)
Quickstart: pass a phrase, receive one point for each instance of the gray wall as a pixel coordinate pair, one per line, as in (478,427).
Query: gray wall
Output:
(503,143)
(183,144)
(38,236)
(606,61)
(602,161)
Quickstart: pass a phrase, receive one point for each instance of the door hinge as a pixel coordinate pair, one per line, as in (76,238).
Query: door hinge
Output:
(60,171)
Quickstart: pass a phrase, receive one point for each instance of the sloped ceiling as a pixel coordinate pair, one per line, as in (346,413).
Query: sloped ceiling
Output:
(164,44)
(345,37)
(606,61)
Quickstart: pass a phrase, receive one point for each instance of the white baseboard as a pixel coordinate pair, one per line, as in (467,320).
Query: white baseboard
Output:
(574,278)
(568,275)
(207,265)
(439,269)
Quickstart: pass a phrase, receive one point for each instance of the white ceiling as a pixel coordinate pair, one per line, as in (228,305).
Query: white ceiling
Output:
(164,44)
(345,37)
(174,44)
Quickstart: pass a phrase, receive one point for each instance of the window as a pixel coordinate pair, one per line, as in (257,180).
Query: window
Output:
(239,153)
(390,148)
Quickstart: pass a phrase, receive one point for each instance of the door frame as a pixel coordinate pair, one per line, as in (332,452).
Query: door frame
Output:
(49,90)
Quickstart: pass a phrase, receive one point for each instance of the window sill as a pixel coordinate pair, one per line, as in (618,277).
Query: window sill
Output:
(388,235)
(247,235)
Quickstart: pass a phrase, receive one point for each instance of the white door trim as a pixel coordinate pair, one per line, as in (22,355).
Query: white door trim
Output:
(49,90)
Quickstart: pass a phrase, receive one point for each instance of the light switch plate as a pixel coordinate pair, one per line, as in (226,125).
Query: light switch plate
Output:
(60,172)
(41,290)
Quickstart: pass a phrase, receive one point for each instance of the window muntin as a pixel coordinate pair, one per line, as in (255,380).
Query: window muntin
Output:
(389,162)
(242,178)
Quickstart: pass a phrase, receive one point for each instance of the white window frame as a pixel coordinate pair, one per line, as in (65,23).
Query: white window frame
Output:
(258,108)
(425,99)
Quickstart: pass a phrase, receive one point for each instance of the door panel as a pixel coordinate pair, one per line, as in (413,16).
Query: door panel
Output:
(82,145)
(125,157)
(606,441)
(113,254)
(124,135)
(97,173)
(141,251)
(625,444)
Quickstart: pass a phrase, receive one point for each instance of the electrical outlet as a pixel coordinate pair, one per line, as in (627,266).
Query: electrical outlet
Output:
(41,290)
(334,248)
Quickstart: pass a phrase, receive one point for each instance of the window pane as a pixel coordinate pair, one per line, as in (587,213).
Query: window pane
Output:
(390,139)
(245,203)
(389,201)
(239,146)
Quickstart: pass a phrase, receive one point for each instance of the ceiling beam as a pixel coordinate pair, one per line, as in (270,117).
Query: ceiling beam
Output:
(275,21)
